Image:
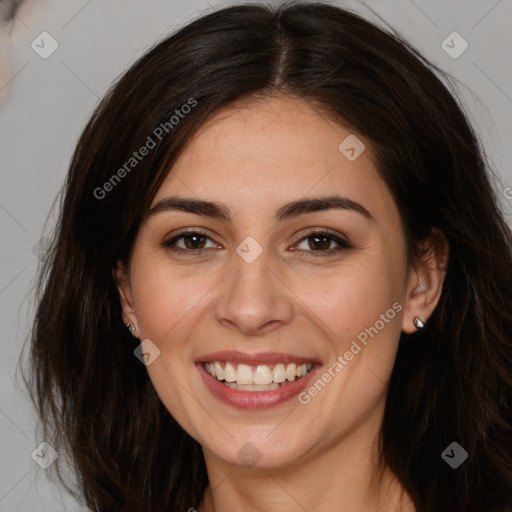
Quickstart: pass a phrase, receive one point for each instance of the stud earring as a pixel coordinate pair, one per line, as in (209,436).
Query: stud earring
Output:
(418,323)
(131,327)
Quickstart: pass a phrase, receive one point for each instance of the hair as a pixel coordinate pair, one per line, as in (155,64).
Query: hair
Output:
(451,381)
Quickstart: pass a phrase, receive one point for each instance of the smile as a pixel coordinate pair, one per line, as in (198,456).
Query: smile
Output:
(263,377)
(256,381)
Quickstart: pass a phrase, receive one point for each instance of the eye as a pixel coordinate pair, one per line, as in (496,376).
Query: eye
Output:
(320,243)
(193,241)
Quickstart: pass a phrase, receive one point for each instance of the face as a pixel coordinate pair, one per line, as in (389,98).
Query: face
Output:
(312,300)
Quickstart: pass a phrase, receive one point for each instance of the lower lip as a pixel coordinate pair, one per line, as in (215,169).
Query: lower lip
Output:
(255,399)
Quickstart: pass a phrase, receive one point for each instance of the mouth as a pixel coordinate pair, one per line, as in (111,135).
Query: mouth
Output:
(253,381)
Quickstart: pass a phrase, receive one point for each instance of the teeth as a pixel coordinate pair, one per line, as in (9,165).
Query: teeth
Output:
(263,376)
(279,374)
(244,374)
(252,387)
(208,367)
(219,371)
(229,373)
(290,371)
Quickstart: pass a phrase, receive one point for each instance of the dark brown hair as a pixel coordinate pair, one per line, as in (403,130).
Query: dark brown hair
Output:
(452,381)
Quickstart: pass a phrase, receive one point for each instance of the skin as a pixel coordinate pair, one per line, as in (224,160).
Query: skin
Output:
(255,156)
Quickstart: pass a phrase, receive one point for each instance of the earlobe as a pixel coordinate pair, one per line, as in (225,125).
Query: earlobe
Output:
(426,281)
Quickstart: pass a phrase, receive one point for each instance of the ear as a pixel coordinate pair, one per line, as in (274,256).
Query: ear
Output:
(425,282)
(122,280)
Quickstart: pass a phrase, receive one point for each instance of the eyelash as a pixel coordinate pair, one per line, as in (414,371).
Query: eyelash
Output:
(342,243)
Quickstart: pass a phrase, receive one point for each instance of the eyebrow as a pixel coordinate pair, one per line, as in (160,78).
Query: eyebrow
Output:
(287,211)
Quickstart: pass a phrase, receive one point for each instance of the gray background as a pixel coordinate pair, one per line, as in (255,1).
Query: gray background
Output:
(44,104)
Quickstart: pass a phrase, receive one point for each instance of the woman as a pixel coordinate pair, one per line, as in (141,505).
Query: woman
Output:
(279,281)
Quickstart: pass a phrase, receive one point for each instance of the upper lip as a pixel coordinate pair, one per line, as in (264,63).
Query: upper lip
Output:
(255,359)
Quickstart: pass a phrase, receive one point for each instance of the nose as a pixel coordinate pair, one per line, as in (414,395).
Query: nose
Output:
(254,299)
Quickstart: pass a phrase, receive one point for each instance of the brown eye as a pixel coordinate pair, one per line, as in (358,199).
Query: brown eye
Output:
(193,241)
(320,243)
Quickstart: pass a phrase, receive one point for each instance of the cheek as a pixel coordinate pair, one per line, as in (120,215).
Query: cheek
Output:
(168,307)
(164,296)
(362,315)
(355,298)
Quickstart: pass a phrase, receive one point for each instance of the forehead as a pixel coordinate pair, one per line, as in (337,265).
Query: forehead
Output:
(256,153)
